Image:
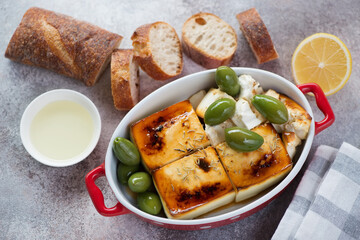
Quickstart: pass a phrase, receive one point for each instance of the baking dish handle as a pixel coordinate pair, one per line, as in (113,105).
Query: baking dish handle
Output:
(98,198)
(322,103)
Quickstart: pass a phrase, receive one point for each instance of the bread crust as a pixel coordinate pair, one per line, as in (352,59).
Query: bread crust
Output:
(203,59)
(124,98)
(198,55)
(62,44)
(143,54)
(257,35)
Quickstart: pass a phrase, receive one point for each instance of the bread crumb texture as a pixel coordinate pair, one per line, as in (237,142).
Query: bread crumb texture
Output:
(211,35)
(165,48)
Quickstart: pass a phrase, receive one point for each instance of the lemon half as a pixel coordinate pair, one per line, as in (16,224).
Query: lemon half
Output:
(324,59)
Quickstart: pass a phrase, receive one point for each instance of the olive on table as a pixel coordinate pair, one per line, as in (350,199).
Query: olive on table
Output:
(124,172)
(227,80)
(149,202)
(243,140)
(219,111)
(126,152)
(272,109)
(139,182)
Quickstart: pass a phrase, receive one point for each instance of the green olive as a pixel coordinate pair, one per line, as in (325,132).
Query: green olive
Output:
(139,182)
(219,111)
(227,80)
(126,152)
(243,140)
(271,108)
(149,202)
(124,172)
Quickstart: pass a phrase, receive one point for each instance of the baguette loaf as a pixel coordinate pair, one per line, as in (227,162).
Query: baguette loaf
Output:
(208,40)
(257,35)
(157,49)
(124,79)
(62,44)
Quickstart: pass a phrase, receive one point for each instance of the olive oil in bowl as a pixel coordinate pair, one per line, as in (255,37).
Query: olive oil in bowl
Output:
(62,130)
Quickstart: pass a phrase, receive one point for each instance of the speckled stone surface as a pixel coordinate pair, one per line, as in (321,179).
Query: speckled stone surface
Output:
(40,202)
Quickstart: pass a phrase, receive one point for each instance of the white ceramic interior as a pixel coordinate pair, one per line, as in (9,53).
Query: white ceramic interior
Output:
(182,89)
(41,101)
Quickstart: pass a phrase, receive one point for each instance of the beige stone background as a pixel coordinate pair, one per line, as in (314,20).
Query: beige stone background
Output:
(40,202)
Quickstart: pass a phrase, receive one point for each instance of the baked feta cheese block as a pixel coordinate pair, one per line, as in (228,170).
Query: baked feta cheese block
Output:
(244,115)
(291,141)
(168,135)
(193,185)
(299,119)
(211,96)
(249,87)
(216,133)
(196,98)
(273,94)
(252,172)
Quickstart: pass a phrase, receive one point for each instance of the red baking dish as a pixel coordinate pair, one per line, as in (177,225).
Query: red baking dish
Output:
(177,91)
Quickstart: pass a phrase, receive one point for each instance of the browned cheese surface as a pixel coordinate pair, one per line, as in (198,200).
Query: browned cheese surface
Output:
(192,181)
(247,169)
(168,135)
(296,108)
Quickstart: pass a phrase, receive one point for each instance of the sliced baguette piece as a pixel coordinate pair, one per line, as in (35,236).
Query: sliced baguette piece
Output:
(257,35)
(208,40)
(157,49)
(62,44)
(124,79)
